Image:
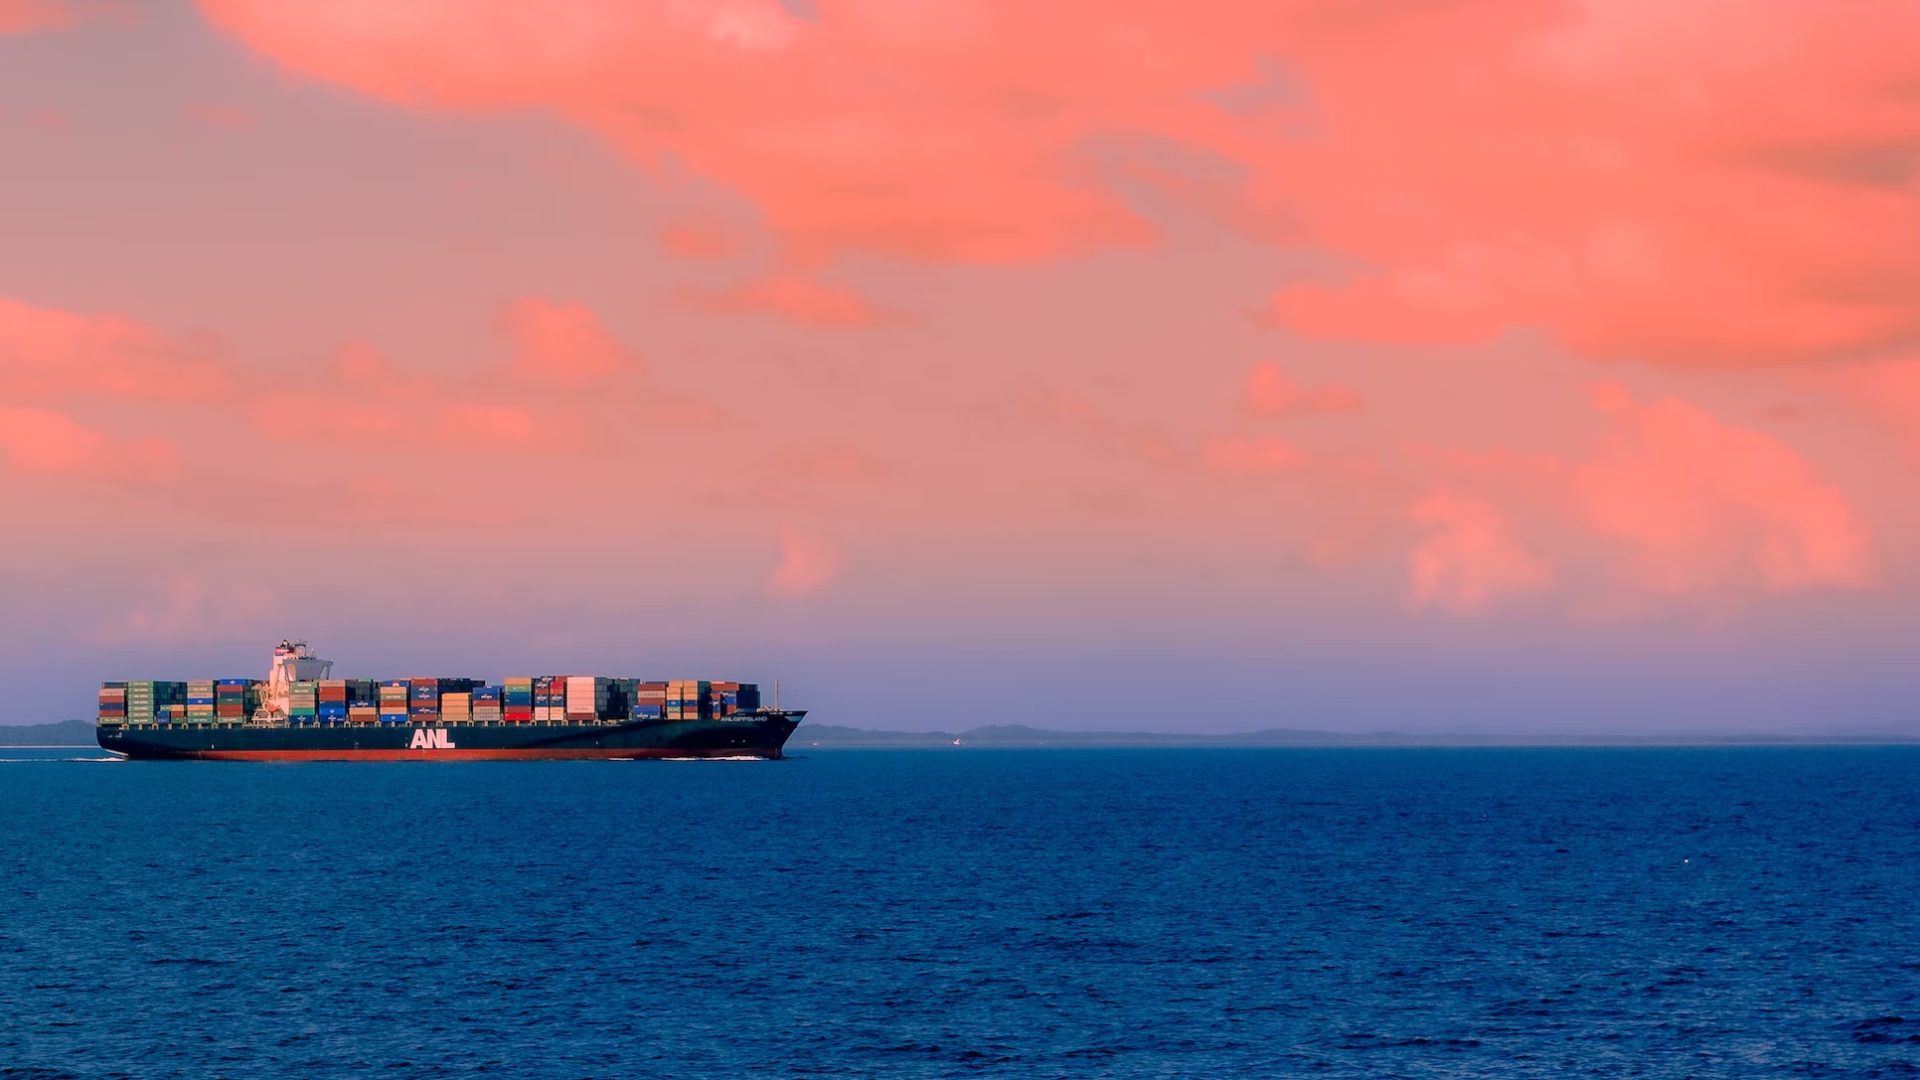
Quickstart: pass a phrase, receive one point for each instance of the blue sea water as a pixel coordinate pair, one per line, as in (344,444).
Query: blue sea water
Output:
(1153,913)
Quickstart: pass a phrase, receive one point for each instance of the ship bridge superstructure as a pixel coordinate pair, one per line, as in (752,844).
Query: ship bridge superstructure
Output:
(292,662)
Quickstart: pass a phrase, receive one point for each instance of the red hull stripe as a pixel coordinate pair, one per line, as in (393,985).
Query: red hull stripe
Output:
(526,754)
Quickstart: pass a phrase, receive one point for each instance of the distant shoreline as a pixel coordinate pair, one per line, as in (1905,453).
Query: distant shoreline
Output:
(1618,744)
(828,736)
(1228,743)
(78,734)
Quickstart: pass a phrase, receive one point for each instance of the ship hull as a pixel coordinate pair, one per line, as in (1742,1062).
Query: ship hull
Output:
(761,736)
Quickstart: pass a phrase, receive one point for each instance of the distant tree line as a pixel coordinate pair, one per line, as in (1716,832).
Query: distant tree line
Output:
(63,733)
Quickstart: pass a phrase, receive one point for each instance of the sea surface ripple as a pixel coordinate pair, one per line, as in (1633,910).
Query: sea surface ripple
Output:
(1158,913)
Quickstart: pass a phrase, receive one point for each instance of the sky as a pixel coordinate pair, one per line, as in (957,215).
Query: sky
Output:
(1525,366)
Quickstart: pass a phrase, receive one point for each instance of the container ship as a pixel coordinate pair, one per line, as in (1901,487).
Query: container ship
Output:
(299,712)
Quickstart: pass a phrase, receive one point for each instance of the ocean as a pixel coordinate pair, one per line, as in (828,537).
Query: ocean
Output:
(1733,912)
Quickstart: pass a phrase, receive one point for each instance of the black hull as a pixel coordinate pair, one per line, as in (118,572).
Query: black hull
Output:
(757,735)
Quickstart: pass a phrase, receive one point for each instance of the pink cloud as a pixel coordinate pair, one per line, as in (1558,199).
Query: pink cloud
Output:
(48,354)
(1706,182)
(1269,392)
(487,426)
(1669,505)
(799,300)
(836,464)
(185,607)
(753,25)
(27,16)
(950,131)
(1889,391)
(358,424)
(807,564)
(1698,504)
(45,442)
(699,240)
(813,152)
(563,342)
(362,364)
(1471,558)
(371,404)
(1251,454)
(1414,308)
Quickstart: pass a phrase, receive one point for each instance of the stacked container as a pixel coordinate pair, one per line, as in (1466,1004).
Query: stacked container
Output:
(733,697)
(724,698)
(140,702)
(587,698)
(333,701)
(649,700)
(555,699)
(147,700)
(113,703)
(170,702)
(394,694)
(303,702)
(423,700)
(234,700)
(199,701)
(363,701)
(486,705)
(516,700)
(687,699)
